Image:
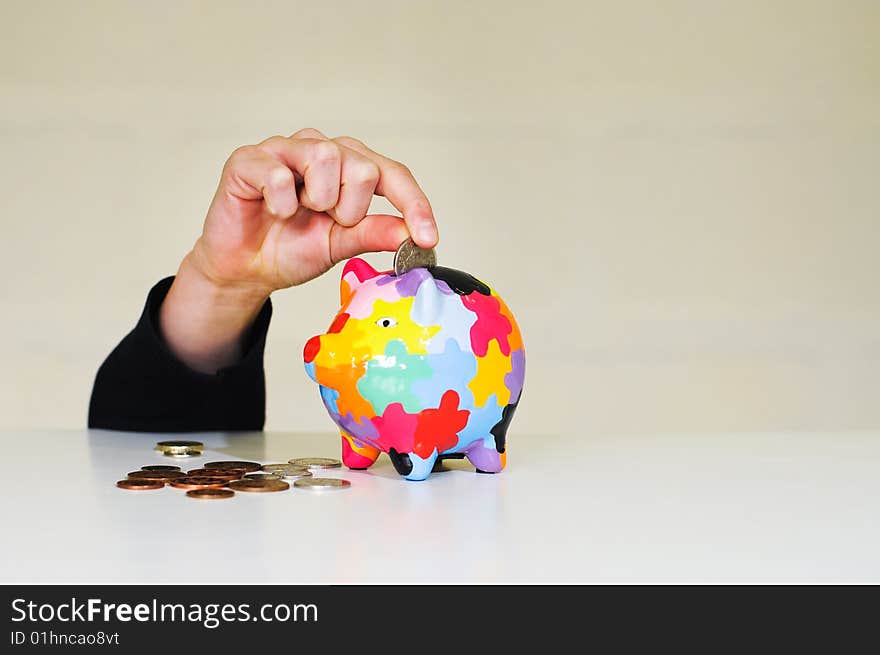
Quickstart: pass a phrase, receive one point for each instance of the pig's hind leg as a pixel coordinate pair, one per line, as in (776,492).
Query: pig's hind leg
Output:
(486,459)
(356,454)
(489,455)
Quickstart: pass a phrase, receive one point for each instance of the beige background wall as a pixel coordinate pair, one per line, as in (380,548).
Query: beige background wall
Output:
(680,200)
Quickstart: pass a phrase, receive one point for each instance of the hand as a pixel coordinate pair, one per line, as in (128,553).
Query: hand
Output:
(288,209)
(285,211)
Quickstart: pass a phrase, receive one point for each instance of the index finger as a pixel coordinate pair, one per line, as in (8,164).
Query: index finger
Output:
(397,183)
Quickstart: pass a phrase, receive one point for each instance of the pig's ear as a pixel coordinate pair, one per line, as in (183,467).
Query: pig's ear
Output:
(428,303)
(355,273)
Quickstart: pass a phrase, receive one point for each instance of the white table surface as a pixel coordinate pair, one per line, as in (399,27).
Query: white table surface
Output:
(742,508)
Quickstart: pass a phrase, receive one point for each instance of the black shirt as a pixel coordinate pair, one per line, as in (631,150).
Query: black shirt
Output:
(143,386)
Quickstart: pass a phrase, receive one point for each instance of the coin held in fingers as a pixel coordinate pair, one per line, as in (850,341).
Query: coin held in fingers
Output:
(410,256)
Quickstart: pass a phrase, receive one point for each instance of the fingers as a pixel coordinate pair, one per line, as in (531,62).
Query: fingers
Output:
(358,178)
(375,233)
(308,133)
(397,183)
(317,161)
(339,176)
(336,180)
(358,184)
(251,174)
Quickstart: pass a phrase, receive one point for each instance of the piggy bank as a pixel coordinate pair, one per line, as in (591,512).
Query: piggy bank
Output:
(423,366)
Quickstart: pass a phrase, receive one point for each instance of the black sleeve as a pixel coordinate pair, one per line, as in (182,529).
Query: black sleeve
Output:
(142,386)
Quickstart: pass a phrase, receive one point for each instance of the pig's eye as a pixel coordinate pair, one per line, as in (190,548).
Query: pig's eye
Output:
(386,322)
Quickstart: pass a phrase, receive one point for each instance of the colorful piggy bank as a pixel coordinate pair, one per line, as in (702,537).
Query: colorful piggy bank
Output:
(423,366)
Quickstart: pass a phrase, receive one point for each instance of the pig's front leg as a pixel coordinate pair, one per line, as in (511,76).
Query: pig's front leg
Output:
(356,454)
(411,466)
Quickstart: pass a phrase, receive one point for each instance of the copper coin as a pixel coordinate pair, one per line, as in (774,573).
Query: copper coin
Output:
(247,466)
(140,485)
(259,485)
(199,483)
(164,476)
(210,494)
(226,474)
(159,467)
(262,476)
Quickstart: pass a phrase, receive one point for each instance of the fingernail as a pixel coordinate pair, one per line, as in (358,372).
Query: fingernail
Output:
(426,234)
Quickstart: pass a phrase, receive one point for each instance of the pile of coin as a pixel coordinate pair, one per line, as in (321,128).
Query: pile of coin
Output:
(180,448)
(221,479)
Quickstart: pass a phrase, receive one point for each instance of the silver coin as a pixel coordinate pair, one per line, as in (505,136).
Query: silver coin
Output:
(263,476)
(321,484)
(288,471)
(270,468)
(316,462)
(294,473)
(410,256)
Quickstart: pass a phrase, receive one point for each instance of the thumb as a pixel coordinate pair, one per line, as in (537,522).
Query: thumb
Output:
(375,233)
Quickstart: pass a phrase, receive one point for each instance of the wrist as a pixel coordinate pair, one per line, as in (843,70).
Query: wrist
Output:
(204,321)
(229,297)
(197,265)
